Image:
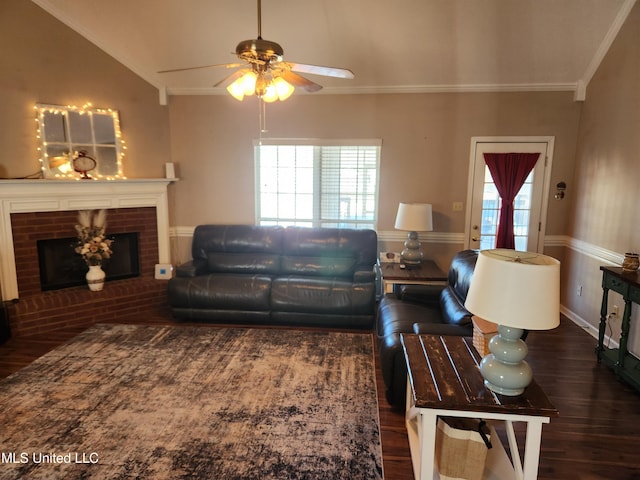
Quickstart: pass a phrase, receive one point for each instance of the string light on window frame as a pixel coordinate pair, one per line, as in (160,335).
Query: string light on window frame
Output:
(68,172)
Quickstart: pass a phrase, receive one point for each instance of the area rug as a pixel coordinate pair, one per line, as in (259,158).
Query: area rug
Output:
(169,402)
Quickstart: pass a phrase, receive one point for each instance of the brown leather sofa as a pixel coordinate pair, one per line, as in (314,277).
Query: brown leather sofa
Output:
(278,276)
(426,309)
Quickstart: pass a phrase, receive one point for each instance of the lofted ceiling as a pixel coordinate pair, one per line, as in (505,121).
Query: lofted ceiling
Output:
(391,46)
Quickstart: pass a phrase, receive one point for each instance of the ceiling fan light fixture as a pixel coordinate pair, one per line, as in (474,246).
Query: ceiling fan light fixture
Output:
(277,89)
(261,85)
(270,94)
(245,85)
(284,88)
(249,83)
(236,90)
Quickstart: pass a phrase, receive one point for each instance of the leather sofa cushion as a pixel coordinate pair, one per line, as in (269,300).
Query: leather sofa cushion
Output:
(395,315)
(221,291)
(321,295)
(236,239)
(324,266)
(264,263)
(327,251)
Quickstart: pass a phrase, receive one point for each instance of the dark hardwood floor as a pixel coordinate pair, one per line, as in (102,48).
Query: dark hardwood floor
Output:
(597,435)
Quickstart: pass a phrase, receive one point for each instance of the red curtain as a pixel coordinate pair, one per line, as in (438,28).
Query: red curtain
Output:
(509,171)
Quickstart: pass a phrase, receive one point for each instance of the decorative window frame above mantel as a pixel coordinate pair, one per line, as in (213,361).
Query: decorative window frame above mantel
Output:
(65,131)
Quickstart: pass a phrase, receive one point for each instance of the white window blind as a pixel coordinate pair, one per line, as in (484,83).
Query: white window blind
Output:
(333,184)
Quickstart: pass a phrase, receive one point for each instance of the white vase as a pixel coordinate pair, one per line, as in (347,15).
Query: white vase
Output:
(95,278)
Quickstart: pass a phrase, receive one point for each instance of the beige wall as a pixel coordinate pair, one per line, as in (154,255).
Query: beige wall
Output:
(605,188)
(425,154)
(43,61)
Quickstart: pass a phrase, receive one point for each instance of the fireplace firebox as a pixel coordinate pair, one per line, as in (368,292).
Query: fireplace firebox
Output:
(61,267)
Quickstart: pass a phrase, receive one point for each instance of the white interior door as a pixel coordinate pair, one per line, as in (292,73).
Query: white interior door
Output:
(530,205)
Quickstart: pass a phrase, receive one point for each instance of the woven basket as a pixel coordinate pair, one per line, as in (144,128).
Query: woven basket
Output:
(483,331)
(461,452)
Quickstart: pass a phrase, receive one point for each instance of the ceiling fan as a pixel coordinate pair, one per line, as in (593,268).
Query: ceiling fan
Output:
(265,73)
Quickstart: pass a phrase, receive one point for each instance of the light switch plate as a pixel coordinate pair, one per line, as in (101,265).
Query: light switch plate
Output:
(164,271)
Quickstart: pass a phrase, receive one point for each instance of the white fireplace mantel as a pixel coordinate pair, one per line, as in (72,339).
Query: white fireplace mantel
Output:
(25,196)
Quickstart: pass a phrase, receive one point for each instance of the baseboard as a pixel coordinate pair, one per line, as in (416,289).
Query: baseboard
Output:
(587,327)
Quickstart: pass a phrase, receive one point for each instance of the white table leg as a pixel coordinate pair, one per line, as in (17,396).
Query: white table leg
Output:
(515,451)
(532,450)
(427,433)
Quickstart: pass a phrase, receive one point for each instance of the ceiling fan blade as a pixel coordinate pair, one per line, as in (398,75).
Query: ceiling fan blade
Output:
(228,80)
(299,81)
(321,70)
(226,65)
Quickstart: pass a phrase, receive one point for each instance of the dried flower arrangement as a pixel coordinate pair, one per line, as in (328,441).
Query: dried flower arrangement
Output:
(92,242)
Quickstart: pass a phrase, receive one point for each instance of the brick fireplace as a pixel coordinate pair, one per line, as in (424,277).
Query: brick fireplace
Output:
(45,209)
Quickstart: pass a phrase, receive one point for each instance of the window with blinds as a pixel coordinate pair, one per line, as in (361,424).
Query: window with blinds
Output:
(334,184)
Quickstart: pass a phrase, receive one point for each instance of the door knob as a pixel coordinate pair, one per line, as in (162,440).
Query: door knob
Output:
(475,238)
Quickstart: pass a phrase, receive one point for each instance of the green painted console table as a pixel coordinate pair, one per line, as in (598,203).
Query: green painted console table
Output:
(627,284)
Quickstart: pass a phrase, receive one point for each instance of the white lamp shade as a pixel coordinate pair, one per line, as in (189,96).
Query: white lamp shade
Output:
(516,289)
(414,217)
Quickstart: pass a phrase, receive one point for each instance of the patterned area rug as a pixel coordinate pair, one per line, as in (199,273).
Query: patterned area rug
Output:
(150,402)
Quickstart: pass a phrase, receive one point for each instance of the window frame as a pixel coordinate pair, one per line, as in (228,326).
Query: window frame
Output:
(316,220)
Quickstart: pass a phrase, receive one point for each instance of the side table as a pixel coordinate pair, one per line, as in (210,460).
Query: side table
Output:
(427,273)
(444,380)
(627,284)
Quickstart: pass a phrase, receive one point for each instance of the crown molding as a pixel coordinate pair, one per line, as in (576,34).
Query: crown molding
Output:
(621,17)
(402,89)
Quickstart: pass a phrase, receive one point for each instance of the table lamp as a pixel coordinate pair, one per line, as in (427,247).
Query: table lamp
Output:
(414,218)
(518,291)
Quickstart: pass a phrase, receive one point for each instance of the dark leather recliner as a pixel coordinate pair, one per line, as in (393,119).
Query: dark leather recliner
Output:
(275,275)
(426,309)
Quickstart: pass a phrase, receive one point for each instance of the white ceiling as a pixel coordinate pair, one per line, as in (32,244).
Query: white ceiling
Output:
(391,46)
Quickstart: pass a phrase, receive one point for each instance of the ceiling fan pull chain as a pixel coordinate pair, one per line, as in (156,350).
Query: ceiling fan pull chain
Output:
(262,115)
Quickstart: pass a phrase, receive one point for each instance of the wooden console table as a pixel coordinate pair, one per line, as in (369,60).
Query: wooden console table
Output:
(444,380)
(627,284)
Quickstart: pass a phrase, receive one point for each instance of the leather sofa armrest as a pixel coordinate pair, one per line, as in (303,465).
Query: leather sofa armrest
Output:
(423,294)
(364,275)
(192,268)
(442,329)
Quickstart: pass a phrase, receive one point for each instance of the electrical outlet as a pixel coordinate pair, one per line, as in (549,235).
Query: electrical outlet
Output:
(164,271)
(616,310)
